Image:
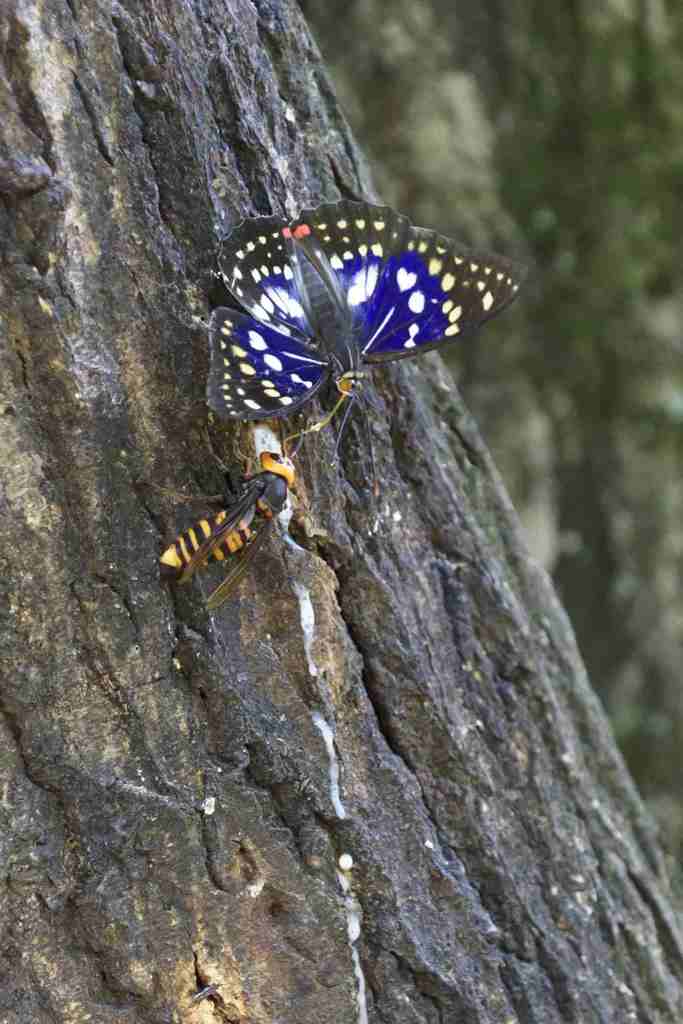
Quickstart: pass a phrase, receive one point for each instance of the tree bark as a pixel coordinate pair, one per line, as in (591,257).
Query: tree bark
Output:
(400,686)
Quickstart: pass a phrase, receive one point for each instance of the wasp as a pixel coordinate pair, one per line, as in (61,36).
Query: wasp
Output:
(236,532)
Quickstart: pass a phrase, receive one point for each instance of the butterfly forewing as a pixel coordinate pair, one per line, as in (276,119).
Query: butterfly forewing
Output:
(258,263)
(256,371)
(433,292)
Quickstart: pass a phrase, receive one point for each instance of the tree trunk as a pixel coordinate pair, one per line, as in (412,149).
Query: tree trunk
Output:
(401,686)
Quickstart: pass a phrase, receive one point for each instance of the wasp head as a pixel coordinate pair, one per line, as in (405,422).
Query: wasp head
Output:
(280,465)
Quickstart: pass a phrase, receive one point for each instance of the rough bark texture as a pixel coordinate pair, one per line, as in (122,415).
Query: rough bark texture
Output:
(170,818)
(579,110)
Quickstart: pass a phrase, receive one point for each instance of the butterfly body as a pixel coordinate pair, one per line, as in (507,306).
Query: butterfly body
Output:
(323,298)
(235,532)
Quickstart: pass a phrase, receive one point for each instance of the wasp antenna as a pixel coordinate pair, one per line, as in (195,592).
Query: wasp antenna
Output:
(207,437)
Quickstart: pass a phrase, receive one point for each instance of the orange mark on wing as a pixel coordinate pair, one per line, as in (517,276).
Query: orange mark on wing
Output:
(286,233)
(302,231)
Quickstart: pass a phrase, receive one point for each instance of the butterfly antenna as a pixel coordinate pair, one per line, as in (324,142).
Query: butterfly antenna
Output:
(214,453)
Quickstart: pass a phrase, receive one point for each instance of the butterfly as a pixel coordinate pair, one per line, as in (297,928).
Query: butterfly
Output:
(324,297)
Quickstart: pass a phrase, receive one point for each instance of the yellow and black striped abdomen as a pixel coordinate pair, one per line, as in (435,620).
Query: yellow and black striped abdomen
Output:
(179,555)
(233,541)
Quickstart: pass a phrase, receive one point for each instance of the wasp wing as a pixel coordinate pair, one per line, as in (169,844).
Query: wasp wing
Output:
(245,508)
(239,566)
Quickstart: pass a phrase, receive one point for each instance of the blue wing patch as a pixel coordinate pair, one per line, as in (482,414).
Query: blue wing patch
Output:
(257,372)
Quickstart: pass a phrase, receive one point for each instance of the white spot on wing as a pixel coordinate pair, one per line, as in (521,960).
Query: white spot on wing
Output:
(416,302)
(356,294)
(404,279)
(272,361)
(371,279)
(257,341)
(295,308)
(413,332)
(281,299)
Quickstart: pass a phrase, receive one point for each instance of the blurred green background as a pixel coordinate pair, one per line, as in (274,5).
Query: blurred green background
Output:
(554,132)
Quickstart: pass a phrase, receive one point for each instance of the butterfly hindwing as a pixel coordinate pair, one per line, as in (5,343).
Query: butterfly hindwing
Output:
(256,371)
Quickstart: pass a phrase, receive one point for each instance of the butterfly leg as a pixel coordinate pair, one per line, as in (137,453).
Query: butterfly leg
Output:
(321,424)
